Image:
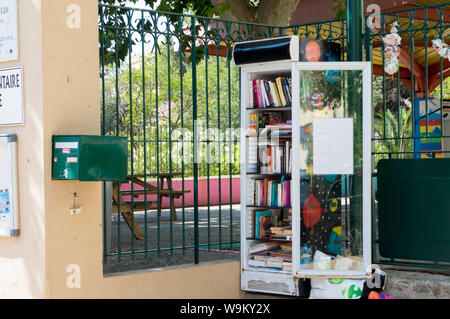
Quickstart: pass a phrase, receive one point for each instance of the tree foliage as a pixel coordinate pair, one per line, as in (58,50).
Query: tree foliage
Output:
(115,38)
(151,103)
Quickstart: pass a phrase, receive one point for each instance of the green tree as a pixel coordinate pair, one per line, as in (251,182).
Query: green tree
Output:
(445,89)
(393,133)
(116,44)
(151,101)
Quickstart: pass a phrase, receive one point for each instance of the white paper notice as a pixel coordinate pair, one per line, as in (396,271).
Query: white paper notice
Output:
(9,39)
(11,91)
(332,146)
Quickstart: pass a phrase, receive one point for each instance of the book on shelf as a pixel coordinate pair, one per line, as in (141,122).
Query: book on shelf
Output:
(275,229)
(268,261)
(275,118)
(263,247)
(262,257)
(258,94)
(281,90)
(251,192)
(252,165)
(275,95)
(281,237)
(286,246)
(281,231)
(275,158)
(280,254)
(275,263)
(257,263)
(265,222)
(257,220)
(270,93)
(287,266)
(263,122)
(253,124)
(251,101)
(271,255)
(286,232)
(259,223)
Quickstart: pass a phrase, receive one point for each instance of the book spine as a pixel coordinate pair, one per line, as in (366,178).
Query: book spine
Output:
(255,94)
(250,94)
(287,194)
(279,156)
(259,94)
(273,89)
(280,195)
(251,191)
(261,193)
(263,93)
(280,91)
(266,183)
(269,94)
(285,91)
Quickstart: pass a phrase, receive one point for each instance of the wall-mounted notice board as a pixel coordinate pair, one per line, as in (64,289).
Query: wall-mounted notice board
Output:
(413,209)
(9,197)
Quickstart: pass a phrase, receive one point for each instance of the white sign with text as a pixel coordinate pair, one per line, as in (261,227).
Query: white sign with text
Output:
(9,34)
(11,94)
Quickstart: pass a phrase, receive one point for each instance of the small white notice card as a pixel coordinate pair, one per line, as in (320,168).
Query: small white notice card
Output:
(11,91)
(9,39)
(332,146)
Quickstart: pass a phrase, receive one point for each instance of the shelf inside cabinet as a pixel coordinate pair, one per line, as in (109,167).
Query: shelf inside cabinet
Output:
(271,137)
(270,109)
(267,207)
(275,175)
(270,239)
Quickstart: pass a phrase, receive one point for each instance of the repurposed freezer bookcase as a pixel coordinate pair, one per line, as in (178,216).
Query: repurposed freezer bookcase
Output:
(305,173)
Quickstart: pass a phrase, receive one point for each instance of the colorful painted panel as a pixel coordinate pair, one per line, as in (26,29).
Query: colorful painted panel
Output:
(431,143)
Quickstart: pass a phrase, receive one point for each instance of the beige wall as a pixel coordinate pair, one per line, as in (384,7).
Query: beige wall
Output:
(67,102)
(22,260)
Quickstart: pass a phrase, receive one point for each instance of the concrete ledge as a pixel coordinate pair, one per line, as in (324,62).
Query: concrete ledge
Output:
(417,285)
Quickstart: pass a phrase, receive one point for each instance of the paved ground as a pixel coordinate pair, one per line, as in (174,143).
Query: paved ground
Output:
(400,284)
(171,235)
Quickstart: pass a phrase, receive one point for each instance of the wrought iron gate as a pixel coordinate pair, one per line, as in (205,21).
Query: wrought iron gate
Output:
(169,85)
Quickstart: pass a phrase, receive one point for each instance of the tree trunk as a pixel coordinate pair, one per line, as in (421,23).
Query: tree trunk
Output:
(273,12)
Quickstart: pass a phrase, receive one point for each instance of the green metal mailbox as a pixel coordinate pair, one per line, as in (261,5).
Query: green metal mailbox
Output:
(89,158)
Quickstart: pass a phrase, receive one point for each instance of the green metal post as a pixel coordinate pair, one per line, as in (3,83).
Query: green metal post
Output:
(355,19)
(194,119)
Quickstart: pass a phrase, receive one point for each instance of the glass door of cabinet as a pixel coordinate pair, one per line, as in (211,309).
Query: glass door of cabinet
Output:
(331,177)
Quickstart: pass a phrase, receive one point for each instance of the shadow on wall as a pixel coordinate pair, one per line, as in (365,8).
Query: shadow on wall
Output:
(22,259)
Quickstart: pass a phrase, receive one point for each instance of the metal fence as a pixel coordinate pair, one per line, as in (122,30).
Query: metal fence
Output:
(409,106)
(168,81)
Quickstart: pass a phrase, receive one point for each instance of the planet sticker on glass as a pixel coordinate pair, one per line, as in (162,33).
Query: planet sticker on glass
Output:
(312,51)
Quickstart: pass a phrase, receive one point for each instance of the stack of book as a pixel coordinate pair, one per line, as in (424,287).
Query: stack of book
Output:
(266,93)
(271,255)
(285,251)
(259,121)
(282,129)
(281,232)
(262,221)
(266,192)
